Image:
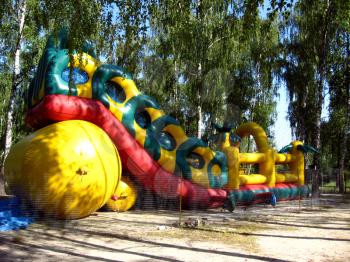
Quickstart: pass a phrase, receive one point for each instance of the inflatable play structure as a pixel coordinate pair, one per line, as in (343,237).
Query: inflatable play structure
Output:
(93,126)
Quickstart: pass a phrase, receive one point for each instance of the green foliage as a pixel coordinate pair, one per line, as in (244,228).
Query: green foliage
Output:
(315,61)
(219,62)
(218,56)
(40,17)
(79,17)
(307,42)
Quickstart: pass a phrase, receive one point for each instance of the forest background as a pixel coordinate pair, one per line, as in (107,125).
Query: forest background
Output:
(204,61)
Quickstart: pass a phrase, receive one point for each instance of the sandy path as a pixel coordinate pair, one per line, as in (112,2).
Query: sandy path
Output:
(318,231)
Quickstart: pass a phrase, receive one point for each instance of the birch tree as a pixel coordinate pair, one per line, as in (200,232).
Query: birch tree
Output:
(20,16)
(313,28)
(25,25)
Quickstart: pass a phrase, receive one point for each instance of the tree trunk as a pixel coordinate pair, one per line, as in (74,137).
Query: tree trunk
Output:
(321,69)
(200,119)
(317,158)
(199,101)
(344,150)
(316,135)
(176,91)
(22,10)
(346,133)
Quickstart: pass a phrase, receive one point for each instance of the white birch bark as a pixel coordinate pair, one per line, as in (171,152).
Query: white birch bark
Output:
(199,107)
(22,11)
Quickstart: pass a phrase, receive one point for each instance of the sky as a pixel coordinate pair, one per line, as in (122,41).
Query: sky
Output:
(282,129)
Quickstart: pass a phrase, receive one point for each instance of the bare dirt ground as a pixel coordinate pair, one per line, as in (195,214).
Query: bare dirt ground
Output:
(318,230)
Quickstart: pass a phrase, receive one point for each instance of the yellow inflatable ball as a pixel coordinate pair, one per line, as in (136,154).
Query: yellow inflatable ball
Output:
(66,170)
(124,196)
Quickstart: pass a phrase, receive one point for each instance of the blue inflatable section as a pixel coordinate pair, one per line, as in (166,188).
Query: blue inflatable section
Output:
(12,216)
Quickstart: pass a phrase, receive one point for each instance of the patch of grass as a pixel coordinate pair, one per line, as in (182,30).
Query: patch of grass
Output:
(196,235)
(236,236)
(334,183)
(326,207)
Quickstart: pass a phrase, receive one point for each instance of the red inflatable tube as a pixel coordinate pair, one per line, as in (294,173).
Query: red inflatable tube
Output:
(135,159)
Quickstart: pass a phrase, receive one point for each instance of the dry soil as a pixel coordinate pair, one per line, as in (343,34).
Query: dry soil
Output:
(312,230)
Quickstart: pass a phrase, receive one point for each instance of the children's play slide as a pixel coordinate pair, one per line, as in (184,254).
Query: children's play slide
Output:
(93,126)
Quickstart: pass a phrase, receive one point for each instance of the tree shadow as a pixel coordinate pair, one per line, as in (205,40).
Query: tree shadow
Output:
(30,248)
(115,236)
(271,235)
(297,225)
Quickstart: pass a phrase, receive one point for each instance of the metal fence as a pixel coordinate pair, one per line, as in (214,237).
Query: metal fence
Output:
(329,180)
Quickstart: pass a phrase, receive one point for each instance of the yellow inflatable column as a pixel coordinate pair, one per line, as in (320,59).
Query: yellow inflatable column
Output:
(297,166)
(226,143)
(268,169)
(232,154)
